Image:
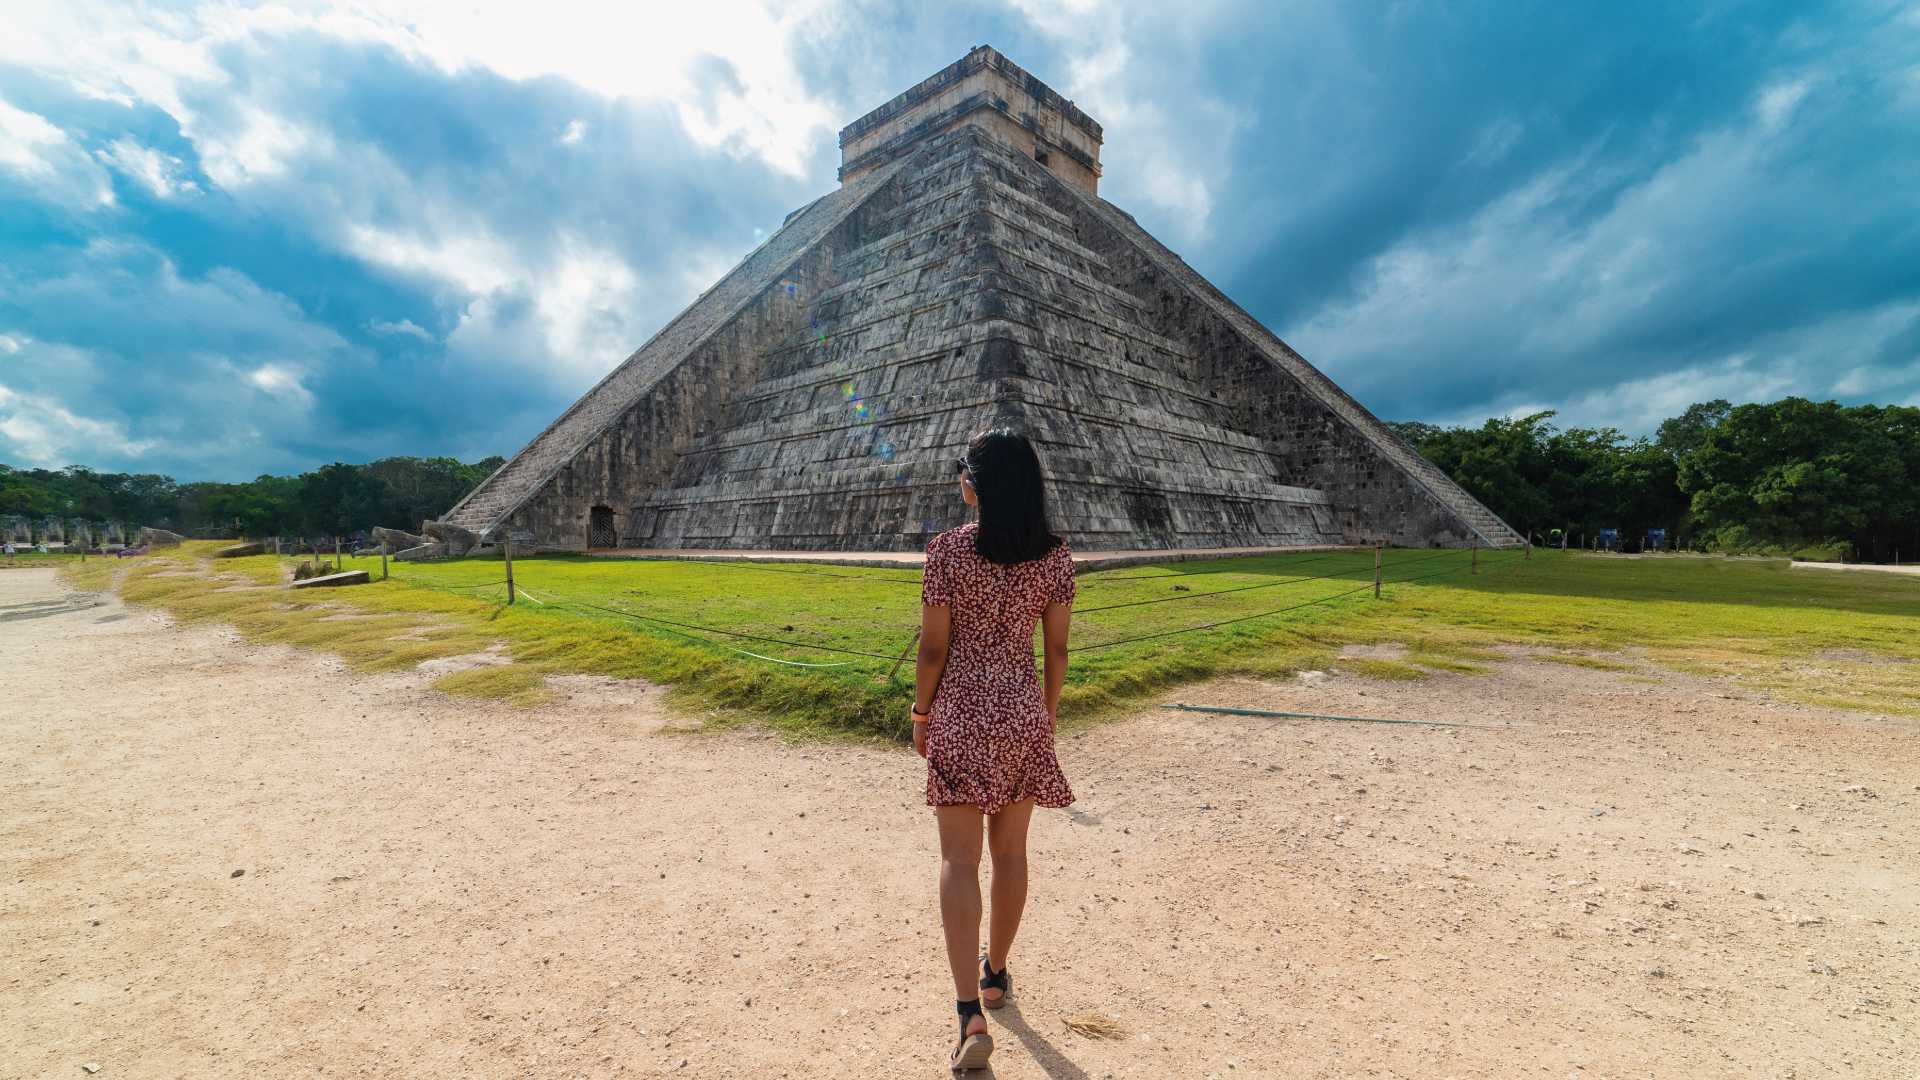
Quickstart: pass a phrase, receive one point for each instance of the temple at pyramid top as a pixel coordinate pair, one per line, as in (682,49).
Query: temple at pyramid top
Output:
(965,274)
(988,90)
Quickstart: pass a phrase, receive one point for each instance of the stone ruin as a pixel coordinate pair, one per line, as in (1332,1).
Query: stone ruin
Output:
(966,273)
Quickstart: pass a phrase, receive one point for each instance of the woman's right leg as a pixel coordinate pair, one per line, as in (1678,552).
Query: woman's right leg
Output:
(960,834)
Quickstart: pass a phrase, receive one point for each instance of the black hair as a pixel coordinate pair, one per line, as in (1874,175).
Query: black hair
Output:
(1013,498)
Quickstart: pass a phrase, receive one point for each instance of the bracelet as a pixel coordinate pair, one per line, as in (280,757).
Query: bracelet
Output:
(919,712)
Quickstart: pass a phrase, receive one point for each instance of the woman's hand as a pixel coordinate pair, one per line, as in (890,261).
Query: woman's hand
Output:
(920,737)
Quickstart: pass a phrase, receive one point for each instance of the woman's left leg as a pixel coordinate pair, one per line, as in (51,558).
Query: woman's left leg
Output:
(1007,842)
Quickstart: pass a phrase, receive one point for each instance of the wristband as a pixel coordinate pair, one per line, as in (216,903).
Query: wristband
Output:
(920,716)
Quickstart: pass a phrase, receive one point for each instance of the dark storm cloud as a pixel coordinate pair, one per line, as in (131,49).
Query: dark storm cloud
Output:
(1454,209)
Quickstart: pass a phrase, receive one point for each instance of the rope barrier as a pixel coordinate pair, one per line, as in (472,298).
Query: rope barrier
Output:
(457,588)
(741,565)
(720,645)
(1104,576)
(1248,588)
(1264,614)
(1229,711)
(732,633)
(564,602)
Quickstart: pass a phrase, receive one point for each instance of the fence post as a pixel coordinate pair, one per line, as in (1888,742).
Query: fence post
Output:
(507,551)
(336,554)
(895,670)
(1529,554)
(1376,569)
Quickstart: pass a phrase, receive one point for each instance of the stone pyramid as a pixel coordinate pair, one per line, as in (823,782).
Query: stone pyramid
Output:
(966,274)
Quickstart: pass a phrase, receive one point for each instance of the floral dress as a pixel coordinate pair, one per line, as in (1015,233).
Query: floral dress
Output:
(990,741)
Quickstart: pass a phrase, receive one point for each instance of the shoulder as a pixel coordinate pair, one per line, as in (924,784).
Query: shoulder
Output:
(953,541)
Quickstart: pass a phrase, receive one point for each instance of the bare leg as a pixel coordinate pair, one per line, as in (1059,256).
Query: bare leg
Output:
(960,899)
(1007,841)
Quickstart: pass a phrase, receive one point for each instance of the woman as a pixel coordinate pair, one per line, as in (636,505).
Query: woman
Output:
(980,717)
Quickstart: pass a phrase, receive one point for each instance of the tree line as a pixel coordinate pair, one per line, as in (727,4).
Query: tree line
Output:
(333,500)
(1789,477)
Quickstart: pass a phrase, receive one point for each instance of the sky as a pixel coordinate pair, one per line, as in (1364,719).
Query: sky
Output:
(238,239)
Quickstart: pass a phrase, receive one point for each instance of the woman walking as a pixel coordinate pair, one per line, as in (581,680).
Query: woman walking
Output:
(981,718)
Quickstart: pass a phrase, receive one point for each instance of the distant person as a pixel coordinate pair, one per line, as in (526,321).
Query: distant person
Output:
(981,717)
(9,553)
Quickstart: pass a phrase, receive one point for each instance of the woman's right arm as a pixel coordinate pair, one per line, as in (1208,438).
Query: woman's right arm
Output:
(936,628)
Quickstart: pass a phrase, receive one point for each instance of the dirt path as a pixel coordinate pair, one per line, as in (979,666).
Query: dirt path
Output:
(1608,876)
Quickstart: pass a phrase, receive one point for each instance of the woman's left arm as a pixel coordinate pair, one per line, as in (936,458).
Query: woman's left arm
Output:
(936,628)
(1054,624)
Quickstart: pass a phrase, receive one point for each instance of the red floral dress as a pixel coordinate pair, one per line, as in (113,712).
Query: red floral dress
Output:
(990,741)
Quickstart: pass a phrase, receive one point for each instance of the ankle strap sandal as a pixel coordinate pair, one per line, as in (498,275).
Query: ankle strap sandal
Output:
(973,1050)
(991,980)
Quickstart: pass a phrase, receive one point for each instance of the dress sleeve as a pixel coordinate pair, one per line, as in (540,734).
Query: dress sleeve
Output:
(1063,586)
(936,586)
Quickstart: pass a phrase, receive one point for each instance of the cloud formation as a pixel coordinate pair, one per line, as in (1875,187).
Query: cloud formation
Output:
(238,238)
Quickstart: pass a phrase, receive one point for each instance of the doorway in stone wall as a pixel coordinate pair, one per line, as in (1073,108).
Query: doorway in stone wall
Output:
(600,532)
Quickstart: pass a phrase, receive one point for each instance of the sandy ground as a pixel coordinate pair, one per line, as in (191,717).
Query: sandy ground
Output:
(224,860)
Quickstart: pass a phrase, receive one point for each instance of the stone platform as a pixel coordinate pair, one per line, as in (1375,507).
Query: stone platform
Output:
(1084,562)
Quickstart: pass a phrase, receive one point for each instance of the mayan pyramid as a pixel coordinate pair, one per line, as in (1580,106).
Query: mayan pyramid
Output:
(966,273)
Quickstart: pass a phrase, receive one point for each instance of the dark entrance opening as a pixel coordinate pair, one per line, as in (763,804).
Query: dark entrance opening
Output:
(600,528)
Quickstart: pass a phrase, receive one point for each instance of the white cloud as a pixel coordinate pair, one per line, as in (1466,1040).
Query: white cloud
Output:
(465,255)
(253,145)
(576,130)
(35,149)
(26,139)
(1778,102)
(1163,150)
(169,56)
(159,173)
(281,381)
(403,328)
(41,432)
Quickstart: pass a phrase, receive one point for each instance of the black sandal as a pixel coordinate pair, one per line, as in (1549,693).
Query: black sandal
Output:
(974,1050)
(989,980)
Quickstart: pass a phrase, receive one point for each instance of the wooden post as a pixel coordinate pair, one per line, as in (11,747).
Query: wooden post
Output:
(895,670)
(1529,554)
(1376,569)
(383,562)
(506,550)
(336,554)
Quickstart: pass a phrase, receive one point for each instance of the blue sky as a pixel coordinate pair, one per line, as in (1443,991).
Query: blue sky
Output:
(238,239)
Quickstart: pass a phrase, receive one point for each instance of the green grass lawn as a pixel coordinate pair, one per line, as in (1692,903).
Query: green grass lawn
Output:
(1743,618)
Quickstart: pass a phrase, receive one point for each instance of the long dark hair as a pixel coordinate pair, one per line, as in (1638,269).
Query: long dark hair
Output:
(1013,498)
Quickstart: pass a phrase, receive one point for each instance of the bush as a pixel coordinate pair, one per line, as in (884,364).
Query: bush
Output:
(1826,551)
